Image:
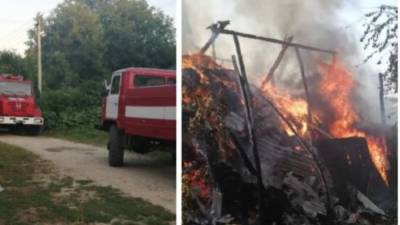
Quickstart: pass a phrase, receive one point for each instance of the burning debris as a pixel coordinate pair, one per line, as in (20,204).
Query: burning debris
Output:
(257,155)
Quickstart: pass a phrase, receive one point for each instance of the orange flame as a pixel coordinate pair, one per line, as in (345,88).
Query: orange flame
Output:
(197,178)
(336,87)
(290,107)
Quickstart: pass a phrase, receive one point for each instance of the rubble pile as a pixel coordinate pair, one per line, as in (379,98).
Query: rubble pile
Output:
(301,183)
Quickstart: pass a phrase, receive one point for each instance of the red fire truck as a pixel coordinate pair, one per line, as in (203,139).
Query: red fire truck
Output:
(18,107)
(139,112)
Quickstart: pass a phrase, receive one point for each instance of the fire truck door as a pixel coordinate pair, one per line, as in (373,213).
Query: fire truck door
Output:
(113,97)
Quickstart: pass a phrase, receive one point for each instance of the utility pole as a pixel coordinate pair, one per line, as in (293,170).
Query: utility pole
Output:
(39,53)
(381,99)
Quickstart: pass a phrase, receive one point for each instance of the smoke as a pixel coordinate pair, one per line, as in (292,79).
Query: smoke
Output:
(313,22)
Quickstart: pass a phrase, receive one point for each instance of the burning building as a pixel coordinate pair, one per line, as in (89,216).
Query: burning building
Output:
(254,153)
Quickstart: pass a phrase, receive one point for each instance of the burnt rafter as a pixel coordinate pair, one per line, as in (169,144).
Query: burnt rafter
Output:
(277,41)
(270,74)
(219,28)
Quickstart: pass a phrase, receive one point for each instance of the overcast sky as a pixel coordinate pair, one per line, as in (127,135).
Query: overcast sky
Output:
(16,18)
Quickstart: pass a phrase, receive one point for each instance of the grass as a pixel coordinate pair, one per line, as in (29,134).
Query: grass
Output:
(82,135)
(35,194)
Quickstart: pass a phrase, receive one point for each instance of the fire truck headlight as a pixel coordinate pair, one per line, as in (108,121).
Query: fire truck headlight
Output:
(38,120)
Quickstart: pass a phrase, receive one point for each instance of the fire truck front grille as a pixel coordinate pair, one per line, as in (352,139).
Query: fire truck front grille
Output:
(18,107)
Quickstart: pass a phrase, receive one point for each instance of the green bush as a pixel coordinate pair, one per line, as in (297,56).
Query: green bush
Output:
(70,108)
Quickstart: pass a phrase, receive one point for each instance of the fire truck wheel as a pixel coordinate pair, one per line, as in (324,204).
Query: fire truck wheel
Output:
(115,151)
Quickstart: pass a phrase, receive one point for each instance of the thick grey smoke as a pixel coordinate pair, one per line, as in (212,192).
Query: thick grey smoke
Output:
(312,22)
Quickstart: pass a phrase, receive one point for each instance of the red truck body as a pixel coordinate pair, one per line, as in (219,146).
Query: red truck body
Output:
(17,104)
(141,106)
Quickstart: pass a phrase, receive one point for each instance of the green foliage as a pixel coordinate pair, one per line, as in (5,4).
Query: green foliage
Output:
(83,42)
(12,63)
(73,46)
(380,37)
(137,35)
(71,107)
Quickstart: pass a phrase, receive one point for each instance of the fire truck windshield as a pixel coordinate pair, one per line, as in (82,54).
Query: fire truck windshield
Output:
(14,88)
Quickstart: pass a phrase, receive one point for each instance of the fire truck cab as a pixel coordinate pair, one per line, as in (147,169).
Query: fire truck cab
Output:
(18,107)
(138,111)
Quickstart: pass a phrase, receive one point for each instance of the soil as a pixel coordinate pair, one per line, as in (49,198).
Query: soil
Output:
(143,176)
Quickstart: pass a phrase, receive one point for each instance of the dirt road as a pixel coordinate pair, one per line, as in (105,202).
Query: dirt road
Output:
(142,176)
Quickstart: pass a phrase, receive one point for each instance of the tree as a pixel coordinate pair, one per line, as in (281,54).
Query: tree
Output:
(73,45)
(12,63)
(380,38)
(137,35)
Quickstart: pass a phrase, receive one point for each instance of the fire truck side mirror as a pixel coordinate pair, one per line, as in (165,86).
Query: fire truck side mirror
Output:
(106,89)
(106,85)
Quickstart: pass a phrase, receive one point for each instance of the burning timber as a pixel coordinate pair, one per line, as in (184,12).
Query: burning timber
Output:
(326,182)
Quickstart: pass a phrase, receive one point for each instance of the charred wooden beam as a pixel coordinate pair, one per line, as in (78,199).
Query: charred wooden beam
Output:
(216,30)
(214,54)
(381,99)
(235,65)
(243,80)
(243,74)
(277,41)
(277,61)
(249,105)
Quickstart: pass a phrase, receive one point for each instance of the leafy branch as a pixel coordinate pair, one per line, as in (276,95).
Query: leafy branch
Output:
(380,39)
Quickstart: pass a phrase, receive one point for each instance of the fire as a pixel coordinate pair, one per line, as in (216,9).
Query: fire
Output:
(291,107)
(195,60)
(336,87)
(196,178)
(209,74)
